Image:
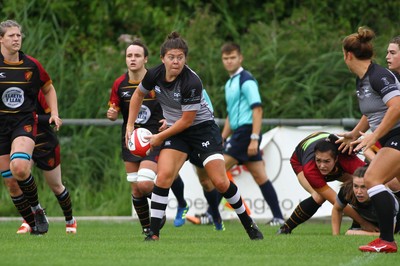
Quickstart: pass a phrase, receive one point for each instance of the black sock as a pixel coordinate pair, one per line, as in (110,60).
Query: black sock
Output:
(141,206)
(304,211)
(24,208)
(29,188)
(178,190)
(158,208)
(232,195)
(64,200)
(269,193)
(384,207)
(213,200)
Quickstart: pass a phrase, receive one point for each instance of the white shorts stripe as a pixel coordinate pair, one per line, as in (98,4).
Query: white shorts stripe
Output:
(376,189)
(216,156)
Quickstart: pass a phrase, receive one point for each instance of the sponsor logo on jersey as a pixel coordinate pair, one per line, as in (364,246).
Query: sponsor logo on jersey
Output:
(363,92)
(125,94)
(385,81)
(2,75)
(152,94)
(13,97)
(28,75)
(28,128)
(144,115)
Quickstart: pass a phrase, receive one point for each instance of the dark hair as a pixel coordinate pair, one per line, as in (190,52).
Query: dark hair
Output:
(139,42)
(396,40)
(360,44)
(230,47)
(8,24)
(347,186)
(328,144)
(174,41)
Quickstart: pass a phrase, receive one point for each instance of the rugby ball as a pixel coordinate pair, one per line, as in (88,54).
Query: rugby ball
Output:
(138,145)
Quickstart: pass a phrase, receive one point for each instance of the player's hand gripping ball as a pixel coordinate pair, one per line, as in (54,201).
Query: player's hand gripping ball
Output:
(137,144)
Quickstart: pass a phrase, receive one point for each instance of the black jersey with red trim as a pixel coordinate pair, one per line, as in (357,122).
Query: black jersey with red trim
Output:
(46,138)
(20,84)
(303,160)
(150,112)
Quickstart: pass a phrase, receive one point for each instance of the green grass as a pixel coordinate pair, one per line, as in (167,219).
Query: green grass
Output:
(121,243)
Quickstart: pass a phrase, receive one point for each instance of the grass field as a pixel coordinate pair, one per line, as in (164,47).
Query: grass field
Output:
(121,243)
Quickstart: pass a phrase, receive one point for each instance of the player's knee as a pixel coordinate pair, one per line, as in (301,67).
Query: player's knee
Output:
(221,184)
(207,184)
(20,164)
(146,175)
(132,177)
(145,187)
(57,188)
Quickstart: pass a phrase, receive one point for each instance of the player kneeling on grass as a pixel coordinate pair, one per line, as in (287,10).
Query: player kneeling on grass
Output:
(317,161)
(354,193)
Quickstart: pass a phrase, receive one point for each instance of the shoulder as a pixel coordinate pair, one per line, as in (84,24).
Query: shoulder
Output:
(28,58)
(190,76)
(245,76)
(247,80)
(381,74)
(155,71)
(120,79)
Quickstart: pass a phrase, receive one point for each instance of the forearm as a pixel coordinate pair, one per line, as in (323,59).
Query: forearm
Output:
(179,126)
(226,131)
(51,99)
(349,211)
(257,120)
(362,126)
(134,108)
(351,232)
(337,215)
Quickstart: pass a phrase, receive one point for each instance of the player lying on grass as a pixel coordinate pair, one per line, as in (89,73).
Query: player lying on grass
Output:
(354,193)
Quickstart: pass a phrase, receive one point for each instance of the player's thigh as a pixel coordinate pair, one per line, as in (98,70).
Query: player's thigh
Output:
(384,167)
(205,181)
(216,171)
(22,144)
(304,183)
(169,164)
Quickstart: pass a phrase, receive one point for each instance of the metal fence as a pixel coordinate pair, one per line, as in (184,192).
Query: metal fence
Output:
(344,122)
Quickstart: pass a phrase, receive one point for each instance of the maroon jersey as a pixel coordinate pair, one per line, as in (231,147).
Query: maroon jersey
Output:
(150,112)
(46,154)
(46,137)
(20,84)
(303,160)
